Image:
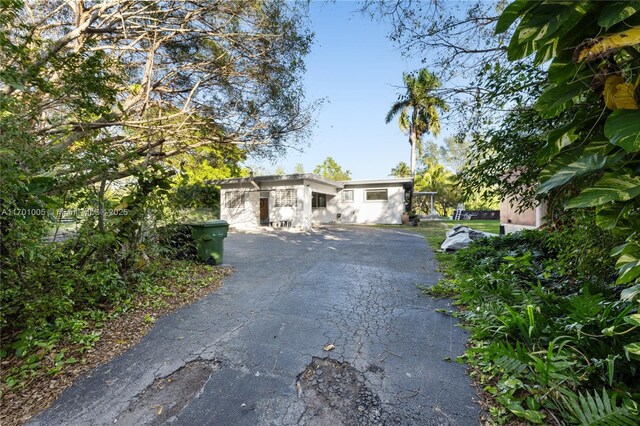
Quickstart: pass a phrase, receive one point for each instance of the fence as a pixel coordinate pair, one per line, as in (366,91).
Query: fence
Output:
(482,214)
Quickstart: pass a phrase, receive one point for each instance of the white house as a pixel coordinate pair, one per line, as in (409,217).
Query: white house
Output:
(303,200)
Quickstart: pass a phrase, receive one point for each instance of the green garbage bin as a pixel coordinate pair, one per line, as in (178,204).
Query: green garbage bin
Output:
(209,238)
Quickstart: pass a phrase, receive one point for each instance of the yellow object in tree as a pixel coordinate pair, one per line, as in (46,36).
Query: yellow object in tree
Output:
(604,46)
(618,94)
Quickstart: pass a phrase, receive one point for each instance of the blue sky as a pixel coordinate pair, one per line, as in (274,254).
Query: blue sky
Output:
(358,71)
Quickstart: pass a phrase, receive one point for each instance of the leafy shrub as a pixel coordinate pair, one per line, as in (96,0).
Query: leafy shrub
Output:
(176,242)
(197,195)
(550,335)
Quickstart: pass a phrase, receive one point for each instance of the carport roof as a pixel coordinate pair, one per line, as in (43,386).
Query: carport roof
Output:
(277,178)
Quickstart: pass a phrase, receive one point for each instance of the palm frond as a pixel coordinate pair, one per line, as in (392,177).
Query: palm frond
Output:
(403,121)
(434,120)
(598,410)
(395,109)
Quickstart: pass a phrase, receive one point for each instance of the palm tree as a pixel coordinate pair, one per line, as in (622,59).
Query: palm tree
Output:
(435,177)
(401,170)
(418,109)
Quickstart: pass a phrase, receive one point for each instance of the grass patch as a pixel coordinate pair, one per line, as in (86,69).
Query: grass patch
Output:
(492,226)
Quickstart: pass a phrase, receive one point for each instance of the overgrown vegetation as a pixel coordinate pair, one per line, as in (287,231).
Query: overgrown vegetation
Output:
(49,356)
(113,115)
(551,339)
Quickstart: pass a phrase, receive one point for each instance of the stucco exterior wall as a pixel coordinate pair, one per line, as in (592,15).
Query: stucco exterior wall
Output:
(247,214)
(513,221)
(326,214)
(360,211)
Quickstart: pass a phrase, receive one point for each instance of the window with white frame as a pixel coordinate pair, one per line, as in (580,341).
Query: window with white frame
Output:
(234,199)
(285,198)
(347,195)
(376,195)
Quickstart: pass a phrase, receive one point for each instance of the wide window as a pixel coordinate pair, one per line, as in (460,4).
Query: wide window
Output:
(376,195)
(285,198)
(234,199)
(318,200)
(347,195)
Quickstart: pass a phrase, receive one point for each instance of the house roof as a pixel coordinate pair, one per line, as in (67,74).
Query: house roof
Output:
(277,178)
(377,181)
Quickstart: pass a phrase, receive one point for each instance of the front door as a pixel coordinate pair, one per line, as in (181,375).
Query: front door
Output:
(264,211)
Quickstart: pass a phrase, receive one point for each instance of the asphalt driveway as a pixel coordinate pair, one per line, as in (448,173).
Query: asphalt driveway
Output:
(252,353)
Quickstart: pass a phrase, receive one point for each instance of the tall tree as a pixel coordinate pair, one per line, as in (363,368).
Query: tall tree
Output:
(94,93)
(418,109)
(332,170)
(115,86)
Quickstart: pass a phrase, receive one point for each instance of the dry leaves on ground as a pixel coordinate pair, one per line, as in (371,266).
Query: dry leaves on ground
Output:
(117,335)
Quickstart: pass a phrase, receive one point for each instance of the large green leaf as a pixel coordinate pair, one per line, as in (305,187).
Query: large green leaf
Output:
(617,12)
(628,262)
(565,152)
(564,69)
(517,50)
(555,143)
(609,216)
(629,271)
(611,187)
(633,350)
(546,24)
(561,137)
(633,319)
(630,293)
(546,52)
(551,20)
(586,164)
(511,13)
(623,129)
(557,98)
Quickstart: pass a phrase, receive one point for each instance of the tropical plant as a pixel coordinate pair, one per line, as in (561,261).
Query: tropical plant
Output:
(594,54)
(547,332)
(418,109)
(593,155)
(401,170)
(434,177)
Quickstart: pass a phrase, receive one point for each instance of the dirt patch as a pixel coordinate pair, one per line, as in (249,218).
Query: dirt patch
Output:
(336,393)
(167,396)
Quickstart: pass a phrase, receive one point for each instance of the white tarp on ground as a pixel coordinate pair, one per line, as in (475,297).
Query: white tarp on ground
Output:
(460,236)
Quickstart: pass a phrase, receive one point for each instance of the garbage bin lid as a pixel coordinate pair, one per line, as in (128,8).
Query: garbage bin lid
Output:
(210,223)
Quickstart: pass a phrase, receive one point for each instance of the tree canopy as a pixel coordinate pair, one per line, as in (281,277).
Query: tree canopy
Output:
(332,170)
(106,107)
(401,170)
(102,90)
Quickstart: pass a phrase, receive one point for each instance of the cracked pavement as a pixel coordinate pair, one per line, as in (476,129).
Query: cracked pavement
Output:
(292,293)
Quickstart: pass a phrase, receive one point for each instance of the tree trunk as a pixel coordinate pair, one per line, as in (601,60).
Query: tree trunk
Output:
(413,139)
